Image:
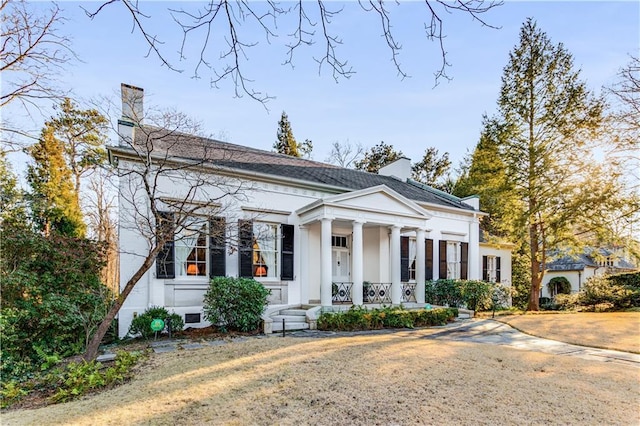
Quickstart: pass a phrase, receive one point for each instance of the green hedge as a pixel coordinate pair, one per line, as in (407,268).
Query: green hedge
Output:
(475,295)
(360,318)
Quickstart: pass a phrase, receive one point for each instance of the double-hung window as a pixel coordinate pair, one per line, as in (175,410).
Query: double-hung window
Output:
(192,246)
(491,269)
(266,248)
(453,260)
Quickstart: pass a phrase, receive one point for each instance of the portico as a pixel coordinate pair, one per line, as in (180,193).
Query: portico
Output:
(363,228)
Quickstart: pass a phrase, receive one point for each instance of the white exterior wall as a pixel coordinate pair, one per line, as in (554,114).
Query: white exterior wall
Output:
(505,261)
(576,278)
(278,203)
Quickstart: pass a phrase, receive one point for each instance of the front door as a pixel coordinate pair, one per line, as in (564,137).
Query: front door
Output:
(340,265)
(340,269)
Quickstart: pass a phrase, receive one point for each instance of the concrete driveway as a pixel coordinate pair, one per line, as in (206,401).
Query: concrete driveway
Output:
(488,331)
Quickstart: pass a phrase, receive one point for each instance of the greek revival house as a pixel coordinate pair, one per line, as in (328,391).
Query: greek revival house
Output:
(313,233)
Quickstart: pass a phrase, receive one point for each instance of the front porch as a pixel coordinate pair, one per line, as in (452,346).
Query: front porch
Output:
(365,247)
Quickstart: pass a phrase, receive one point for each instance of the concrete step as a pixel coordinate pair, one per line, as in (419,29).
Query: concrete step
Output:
(288,318)
(464,316)
(298,312)
(289,326)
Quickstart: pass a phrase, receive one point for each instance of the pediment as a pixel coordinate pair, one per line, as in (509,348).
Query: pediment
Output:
(375,199)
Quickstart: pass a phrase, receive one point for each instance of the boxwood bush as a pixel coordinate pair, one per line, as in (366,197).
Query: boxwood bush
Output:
(141,325)
(360,318)
(235,304)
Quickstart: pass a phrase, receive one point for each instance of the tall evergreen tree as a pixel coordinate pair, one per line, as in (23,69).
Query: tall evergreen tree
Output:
(82,133)
(286,143)
(432,168)
(548,123)
(54,200)
(378,156)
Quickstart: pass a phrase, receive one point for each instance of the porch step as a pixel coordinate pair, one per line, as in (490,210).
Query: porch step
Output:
(288,318)
(289,326)
(295,312)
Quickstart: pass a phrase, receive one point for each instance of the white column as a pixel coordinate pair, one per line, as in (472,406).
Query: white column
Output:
(396,286)
(325,263)
(420,268)
(474,249)
(303,280)
(436,260)
(357,263)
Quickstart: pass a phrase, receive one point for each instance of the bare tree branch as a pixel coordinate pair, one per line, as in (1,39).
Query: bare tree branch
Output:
(33,53)
(226,23)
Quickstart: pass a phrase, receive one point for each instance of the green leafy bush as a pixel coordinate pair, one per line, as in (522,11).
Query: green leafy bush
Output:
(601,292)
(360,318)
(235,303)
(475,295)
(78,378)
(72,380)
(443,292)
(141,325)
(52,298)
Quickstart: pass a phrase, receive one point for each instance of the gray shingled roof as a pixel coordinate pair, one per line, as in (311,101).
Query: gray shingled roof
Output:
(571,263)
(248,159)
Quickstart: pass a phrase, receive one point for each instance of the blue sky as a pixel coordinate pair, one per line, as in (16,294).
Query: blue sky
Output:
(374,104)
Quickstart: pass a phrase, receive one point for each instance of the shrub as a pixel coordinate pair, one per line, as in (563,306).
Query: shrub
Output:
(443,292)
(141,325)
(602,292)
(360,318)
(79,378)
(52,298)
(476,294)
(235,303)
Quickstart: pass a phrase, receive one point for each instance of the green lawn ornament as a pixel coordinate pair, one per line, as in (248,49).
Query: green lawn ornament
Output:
(428,306)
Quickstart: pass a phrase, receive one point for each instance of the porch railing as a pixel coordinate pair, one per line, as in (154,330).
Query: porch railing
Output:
(376,292)
(408,292)
(341,292)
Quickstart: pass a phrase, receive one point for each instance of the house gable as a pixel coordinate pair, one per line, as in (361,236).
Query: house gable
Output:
(368,205)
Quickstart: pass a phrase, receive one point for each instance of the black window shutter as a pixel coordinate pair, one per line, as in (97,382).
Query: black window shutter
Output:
(404,259)
(286,273)
(165,260)
(428,260)
(498,269)
(245,248)
(217,247)
(443,259)
(464,261)
(485,272)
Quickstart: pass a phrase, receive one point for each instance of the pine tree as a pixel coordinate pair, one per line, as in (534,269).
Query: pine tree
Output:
(548,121)
(54,200)
(82,133)
(286,143)
(432,168)
(378,156)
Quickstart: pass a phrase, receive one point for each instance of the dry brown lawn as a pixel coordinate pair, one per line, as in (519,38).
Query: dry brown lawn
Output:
(614,330)
(400,378)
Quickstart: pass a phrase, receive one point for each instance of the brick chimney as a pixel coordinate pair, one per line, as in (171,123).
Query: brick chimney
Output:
(132,112)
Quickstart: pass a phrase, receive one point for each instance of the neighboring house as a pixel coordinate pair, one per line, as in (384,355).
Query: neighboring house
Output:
(312,233)
(577,269)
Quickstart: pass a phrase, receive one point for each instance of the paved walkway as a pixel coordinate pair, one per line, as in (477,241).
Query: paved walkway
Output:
(483,331)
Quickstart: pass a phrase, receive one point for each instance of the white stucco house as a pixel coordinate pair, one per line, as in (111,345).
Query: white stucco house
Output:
(313,233)
(578,268)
